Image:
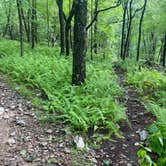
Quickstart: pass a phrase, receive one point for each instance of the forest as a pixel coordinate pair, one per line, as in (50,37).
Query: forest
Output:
(82,82)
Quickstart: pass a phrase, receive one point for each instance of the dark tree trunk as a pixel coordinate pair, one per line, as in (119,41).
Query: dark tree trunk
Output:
(62,25)
(140,30)
(127,43)
(123,29)
(48,23)
(28,18)
(8,22)
(36,36)
(33,24)
(96,29)
(68,27)
(91,33)
(25,25)
(163,54)
(19,6)
(80,35)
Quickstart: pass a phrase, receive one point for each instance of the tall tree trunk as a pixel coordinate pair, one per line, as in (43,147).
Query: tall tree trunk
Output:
(91,33)
(140,30)
(96,28)
(19,6)
(48,23)
(68,27)
(62,25)
(163,54)
(123,29)
(127,42)
(25,25)
(36,36)
(33,24)
(8,22)
(80,35)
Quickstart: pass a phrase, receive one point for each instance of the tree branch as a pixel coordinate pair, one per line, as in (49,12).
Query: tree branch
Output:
(102,10)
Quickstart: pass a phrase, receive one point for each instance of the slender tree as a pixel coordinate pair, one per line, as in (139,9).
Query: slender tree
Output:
(140,30)
(19,6)
(62,25)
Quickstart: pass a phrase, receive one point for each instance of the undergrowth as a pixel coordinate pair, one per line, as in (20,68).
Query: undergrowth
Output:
(151,85)
(93,105)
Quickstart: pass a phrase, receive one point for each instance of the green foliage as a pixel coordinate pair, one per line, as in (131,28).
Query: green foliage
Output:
(93,105)
(145,159)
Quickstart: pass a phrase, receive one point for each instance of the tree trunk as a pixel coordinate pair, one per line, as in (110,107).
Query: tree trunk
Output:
(19,6)
(123,29)
(127,43)
(62,25)
(33,24)
(91,33)
(80,35)
(140,30)
(163,55)
(96,28)
(25,25)
(48,23)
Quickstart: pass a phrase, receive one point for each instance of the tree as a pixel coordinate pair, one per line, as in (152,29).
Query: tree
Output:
(34,24)
(62,25)
(19,6)
(140,30)
(80,35)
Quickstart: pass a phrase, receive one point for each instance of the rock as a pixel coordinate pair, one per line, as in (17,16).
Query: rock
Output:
(12,134)
(11,141)
(94,160)
(79,142)
(20,122)
(67,150)
(2,110)
(128,164)
(136,144)
(143,135)
(49,131)
(44,144)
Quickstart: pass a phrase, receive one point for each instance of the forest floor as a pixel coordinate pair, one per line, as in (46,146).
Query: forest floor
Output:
(26,142)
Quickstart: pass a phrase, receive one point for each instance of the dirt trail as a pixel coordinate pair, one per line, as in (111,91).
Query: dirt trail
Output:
(122,152)
(26,142)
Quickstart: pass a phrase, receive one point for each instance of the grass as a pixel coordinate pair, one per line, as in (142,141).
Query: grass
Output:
(93,105)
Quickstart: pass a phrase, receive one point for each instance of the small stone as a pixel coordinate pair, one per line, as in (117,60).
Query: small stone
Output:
(136,144)
(12,134)
(143,135)
(79,142)
(128,164)
(67,150)
(20,122)
(2,110)
(11,141)
(49,131)
(44,143)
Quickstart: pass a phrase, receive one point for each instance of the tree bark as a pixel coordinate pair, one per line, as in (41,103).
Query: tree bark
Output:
(19,5)
(48,23)
(62,25)
(80,35)
(140,30)
(123,29)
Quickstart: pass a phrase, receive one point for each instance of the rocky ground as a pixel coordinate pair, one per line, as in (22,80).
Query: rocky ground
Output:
(26,142)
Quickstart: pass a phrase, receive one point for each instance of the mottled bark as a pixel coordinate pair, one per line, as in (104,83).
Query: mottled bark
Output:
(62,25)
(19,6)
(140,30)
(80,35)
